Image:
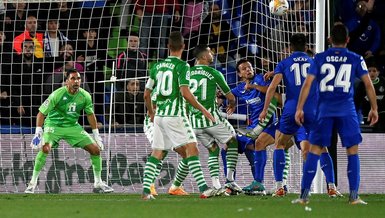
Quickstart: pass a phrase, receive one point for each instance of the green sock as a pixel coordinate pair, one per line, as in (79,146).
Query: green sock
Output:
(231,158)
(96,162)
(196,170)
(159,166)
(213,165)
(287,166)
(39,164)
(181,173)
(149,173)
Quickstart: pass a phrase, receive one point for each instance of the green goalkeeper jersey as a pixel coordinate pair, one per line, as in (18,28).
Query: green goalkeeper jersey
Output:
(204,82)
(166,77)
(63,109)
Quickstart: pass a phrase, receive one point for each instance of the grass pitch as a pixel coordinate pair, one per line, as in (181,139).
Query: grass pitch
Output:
(130,205)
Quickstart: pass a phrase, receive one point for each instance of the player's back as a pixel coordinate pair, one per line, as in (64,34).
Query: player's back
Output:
(204,81)
(335,71)
(294,70)
(168,76)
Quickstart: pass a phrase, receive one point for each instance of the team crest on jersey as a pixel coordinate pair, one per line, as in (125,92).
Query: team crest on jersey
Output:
(72,107)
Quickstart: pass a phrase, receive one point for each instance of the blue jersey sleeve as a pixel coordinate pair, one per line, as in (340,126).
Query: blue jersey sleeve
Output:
(362,69)
(313,69)
(279,69)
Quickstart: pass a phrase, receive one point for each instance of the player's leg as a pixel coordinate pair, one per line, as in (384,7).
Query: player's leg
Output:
(157,172)
(51,138)
(327,167)
(350,134)
(181,174)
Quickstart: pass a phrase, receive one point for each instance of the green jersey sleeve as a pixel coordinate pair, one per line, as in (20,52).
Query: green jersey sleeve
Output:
(50,103)
(184,74)
(88,107)
(220,79)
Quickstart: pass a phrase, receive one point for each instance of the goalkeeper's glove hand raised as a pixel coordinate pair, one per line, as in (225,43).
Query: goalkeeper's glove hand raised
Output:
(37,140)
(98,139)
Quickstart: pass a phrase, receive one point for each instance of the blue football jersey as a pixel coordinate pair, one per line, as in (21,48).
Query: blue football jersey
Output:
(254,98)
(294,70)
(336,70)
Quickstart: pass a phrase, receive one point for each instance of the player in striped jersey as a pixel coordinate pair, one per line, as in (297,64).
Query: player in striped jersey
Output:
(293,71)
(204,82)
(172,129)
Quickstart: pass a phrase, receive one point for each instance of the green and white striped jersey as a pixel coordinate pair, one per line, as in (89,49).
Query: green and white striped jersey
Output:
(166,77)
(204,81)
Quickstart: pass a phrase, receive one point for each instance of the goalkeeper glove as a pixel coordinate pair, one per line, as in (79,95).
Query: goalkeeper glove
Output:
(98,139)
(36,141)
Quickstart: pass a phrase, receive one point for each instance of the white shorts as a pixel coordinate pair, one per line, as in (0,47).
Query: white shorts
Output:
(222,133)
(148,129)
(172,132)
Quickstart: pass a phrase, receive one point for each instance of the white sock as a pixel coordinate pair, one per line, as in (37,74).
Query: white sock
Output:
(216,183)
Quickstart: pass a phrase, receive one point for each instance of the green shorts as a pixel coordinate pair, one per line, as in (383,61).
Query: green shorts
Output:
(76,136)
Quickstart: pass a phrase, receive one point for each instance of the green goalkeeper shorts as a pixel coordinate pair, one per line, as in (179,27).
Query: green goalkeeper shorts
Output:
(76,136)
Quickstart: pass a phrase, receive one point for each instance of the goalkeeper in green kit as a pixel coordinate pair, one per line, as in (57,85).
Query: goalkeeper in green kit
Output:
(62,109)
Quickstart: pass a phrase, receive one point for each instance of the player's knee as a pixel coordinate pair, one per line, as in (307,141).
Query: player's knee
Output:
(259,145)
(94,150)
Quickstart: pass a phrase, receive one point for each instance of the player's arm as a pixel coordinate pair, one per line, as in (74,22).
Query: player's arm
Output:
(224,87)
(269,95)
(231,103)
(36,141)
(148,103)
(371,93)
(190,98)
(260,88)
(299,115)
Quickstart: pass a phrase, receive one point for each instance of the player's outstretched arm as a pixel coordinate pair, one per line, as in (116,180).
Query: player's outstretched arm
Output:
(269,95)
(95,131)
(371,93)
(231,106)
(299,115)
(36,141)
(190,98)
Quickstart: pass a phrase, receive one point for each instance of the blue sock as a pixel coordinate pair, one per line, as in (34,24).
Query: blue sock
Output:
(264,159)
(258,163)
(250,157)
(354,175)
(309,172)
(326,163)
(223,155)
(279,164)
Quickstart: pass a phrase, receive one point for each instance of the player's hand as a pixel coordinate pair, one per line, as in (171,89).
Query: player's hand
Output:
(208,115)
(36,141)
(248,86)
(151,115)
(98,139)
(373,117)
(299,117)
(268,75)
(230,109)
(262,116)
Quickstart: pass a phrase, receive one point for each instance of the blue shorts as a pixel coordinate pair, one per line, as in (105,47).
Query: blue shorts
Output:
(347,127)
(300,136)
(288,126)
(243,141)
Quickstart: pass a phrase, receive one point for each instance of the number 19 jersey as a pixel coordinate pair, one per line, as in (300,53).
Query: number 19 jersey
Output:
(166,77)
(335,71)
(204,81)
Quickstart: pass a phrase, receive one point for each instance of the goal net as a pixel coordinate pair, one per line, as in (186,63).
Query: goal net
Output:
(40,40)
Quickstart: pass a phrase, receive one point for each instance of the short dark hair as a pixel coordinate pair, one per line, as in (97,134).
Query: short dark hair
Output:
(28,40)
(298,42)
(244,60)
(372,62)
(68,72)
(199,50)
(175,41)
(339,34)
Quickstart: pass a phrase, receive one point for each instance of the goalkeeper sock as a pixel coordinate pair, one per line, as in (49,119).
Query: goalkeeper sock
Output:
(196,169)
(286,168)
(39,164)
(96,162)
(354,175)
(231,158)
(213,165)
(326,163)
(149,173)
(181,173)
(278,164)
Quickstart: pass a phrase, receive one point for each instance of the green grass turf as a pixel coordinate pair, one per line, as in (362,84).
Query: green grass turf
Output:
(130,205)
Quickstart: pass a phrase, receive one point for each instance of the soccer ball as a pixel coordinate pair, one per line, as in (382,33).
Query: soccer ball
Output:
(278,7)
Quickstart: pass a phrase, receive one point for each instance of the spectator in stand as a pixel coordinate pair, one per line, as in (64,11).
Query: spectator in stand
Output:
(53,38)
(15,19)
(155,21)
(131,63)
(365,34)
(68,19)
(362,102)
(30,32)
(130,104)
(216,32)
